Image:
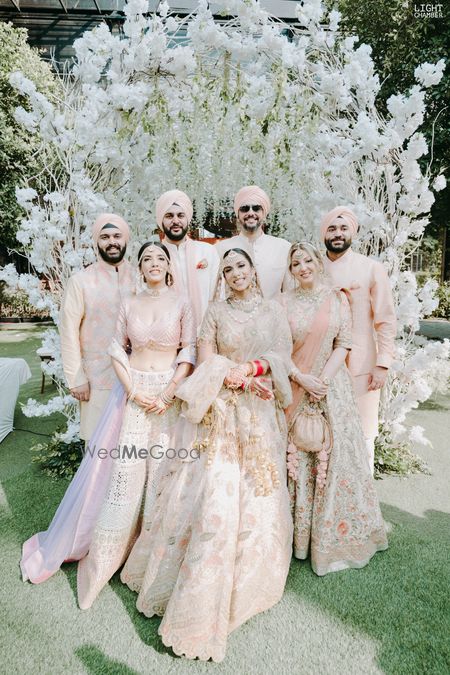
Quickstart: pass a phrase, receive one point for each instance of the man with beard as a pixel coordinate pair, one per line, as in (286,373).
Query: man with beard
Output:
(269,254)
(88,317)
(194,264)
(374,321)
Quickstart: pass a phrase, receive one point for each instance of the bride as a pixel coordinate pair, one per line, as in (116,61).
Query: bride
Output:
(219,548)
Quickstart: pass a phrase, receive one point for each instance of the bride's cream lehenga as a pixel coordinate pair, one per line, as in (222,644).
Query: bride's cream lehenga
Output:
(339,525)
(219,547)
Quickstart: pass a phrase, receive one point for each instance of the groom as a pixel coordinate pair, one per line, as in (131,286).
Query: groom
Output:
(374,320)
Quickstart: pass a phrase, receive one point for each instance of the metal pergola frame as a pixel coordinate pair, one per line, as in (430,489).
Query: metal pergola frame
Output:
(53,29)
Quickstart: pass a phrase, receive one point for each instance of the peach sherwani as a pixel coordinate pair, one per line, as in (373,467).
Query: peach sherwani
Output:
(373,326)
(87,324)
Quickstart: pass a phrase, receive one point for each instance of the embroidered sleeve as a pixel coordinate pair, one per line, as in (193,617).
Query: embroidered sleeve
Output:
(344,336)
(188,352)
(207,337)
(121,334)
(384,318)
(70,319)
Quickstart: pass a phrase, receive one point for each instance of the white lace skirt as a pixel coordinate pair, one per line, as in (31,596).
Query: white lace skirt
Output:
(141,460)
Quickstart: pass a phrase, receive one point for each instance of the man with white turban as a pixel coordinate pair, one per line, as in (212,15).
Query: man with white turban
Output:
(194,264)
(269,254)
(373,312)
(88,317)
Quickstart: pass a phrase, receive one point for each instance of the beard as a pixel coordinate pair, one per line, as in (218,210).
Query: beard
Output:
(338,246)
(112,254)
(175,237)
(251,228)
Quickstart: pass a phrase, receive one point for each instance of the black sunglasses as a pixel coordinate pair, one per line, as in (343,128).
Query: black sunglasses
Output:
(255,208)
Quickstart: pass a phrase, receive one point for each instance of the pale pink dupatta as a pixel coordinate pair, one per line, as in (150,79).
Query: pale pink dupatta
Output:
(69,534)
(306,351)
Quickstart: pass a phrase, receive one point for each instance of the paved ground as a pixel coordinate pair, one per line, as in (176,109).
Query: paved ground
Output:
(435,328)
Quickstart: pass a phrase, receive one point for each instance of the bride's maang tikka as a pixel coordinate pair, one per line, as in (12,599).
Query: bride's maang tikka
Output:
(231,258)
(155,248)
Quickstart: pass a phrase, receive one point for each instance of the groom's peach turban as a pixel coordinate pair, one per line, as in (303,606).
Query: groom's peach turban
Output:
(249,195)
(106,218)
(166,200)
(344,214)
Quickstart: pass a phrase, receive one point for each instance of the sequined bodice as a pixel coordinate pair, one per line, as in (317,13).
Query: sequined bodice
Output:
(171,331)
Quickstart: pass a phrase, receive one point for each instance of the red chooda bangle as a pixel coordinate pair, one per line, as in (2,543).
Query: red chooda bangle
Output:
(259,370)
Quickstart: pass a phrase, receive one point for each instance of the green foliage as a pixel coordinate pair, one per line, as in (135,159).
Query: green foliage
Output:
(396,458)
(16,305)
(443,293)
(400,42)
(58,459)
(17,147)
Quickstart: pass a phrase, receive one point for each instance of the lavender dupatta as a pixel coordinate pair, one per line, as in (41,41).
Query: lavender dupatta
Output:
(69,534)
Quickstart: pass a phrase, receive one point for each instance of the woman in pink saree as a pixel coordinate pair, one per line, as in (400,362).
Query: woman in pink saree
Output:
(219,548)
(114,490)
(337,518)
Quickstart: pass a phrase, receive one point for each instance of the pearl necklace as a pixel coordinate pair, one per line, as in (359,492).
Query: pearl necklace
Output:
(242,304)
(231,305)
(156,292)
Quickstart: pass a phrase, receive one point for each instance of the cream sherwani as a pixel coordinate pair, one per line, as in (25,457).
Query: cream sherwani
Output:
(185,258)
(87,325)
(270,255)
(374,326)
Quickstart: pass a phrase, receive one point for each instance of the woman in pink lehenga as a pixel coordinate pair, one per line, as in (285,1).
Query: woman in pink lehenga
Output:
(100,515)
(337,518)
(219,548)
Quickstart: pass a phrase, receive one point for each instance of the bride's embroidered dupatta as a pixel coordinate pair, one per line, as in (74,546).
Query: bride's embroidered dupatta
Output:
(307,354)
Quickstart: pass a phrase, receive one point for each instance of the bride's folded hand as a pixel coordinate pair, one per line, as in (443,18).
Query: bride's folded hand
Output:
(236,376)
(261,390)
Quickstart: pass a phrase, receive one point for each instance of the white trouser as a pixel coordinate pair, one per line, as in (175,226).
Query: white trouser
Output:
(368,403)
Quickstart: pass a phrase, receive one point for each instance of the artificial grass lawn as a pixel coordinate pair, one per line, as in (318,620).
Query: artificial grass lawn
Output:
(391,617)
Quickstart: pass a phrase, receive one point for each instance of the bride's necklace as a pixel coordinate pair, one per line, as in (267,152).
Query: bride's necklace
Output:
(156,292)
(312,296)
(249,307)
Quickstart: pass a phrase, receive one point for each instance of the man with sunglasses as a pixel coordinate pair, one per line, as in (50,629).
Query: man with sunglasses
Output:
(269,254)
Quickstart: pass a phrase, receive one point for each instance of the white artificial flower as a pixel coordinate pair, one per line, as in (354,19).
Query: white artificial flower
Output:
(25,196)
(416,436)
(29,120)
(430,74)
(163,9)
(22,83)
(439,183)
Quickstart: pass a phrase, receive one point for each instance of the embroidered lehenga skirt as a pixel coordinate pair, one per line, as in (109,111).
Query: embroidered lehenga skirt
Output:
(139,466)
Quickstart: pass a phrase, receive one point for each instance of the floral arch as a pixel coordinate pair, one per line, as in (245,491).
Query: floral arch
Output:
(209,107)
